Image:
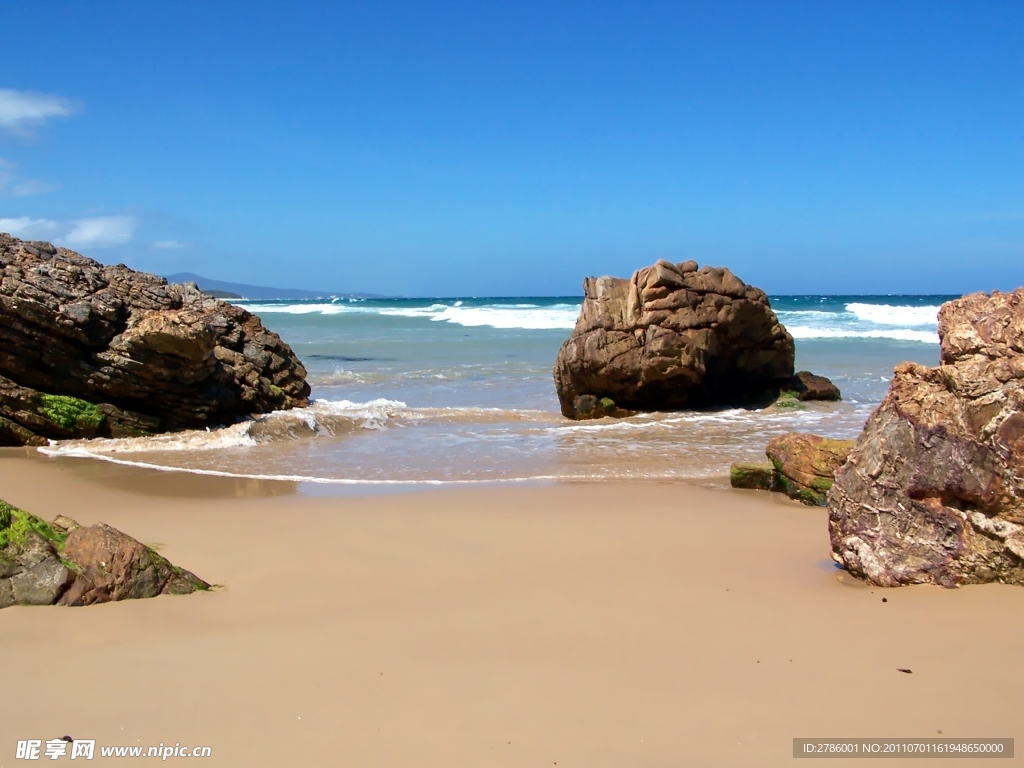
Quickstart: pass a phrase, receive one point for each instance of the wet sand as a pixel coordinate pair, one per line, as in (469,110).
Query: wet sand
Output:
(579,625)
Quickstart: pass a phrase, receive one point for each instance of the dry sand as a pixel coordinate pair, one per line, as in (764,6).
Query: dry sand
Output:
(578,625)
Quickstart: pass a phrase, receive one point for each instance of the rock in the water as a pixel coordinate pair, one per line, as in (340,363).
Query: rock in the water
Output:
(808,386)
(61,562)
(591,407)
(933,491)
(671,337)
(805,465)
(90,350)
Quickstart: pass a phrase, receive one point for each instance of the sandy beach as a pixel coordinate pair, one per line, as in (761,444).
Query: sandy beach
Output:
(569,624)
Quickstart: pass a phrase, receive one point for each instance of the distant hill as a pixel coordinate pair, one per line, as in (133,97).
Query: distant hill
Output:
(227,290)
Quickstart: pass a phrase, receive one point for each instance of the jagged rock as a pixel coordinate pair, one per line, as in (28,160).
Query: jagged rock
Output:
(673,336)
(114,566)
(64,563)
(933,491)
(90,350)
(808,386)
(805,465)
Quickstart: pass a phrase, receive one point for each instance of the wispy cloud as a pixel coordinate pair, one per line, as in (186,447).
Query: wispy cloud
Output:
(95,232)
(30,229)
(100,231)
(169,245)
(28,187)
(12,186)
(21,111)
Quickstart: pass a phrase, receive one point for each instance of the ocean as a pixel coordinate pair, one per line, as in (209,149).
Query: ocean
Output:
(460,390)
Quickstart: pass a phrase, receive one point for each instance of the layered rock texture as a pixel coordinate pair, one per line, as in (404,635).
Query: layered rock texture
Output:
(671,337)
(933,491)
(88,350)
(63,563)
(802,466)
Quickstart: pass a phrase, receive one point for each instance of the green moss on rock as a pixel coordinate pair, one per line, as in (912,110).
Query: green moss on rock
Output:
(789,402)
(70,413)
(276,391)
(15,525)
(822,484)
(755,476)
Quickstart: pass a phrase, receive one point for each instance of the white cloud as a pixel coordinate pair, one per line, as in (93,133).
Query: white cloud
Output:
(30,229)
(95,232)
(100,231)
(20,111)
(169,245)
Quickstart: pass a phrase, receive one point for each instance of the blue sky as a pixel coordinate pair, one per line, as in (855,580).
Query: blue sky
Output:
(513,148)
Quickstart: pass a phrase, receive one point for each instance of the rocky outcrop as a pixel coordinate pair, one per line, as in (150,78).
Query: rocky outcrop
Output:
(671,337)
(933,491)
(802,466)
(63,563)
(90,350)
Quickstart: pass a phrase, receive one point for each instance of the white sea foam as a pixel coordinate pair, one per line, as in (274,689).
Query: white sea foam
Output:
(888,314)
(897,334)
(509,316)
(503,316)
(81,452)
(323,417)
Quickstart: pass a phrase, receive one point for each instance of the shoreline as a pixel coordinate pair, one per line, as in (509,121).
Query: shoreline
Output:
(580,624)
(143,475)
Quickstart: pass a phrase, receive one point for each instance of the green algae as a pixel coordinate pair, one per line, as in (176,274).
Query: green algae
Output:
(69,412)
(755,476)
(16,524)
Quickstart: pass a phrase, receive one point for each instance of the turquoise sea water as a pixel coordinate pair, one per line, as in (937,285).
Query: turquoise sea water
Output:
(460,390)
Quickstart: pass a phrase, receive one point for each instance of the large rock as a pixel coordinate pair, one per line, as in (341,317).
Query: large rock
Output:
(90,350)
(933,491)
(673,336)
(61,562)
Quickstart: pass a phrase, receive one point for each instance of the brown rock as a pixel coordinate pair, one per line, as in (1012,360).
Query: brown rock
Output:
(61,562)
(805,465)
(90,350)
(673,337)
(114,566)
(933,491)
(808,386)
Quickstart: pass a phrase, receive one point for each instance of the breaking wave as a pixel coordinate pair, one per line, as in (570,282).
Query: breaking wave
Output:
(527,316)
(860,320)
